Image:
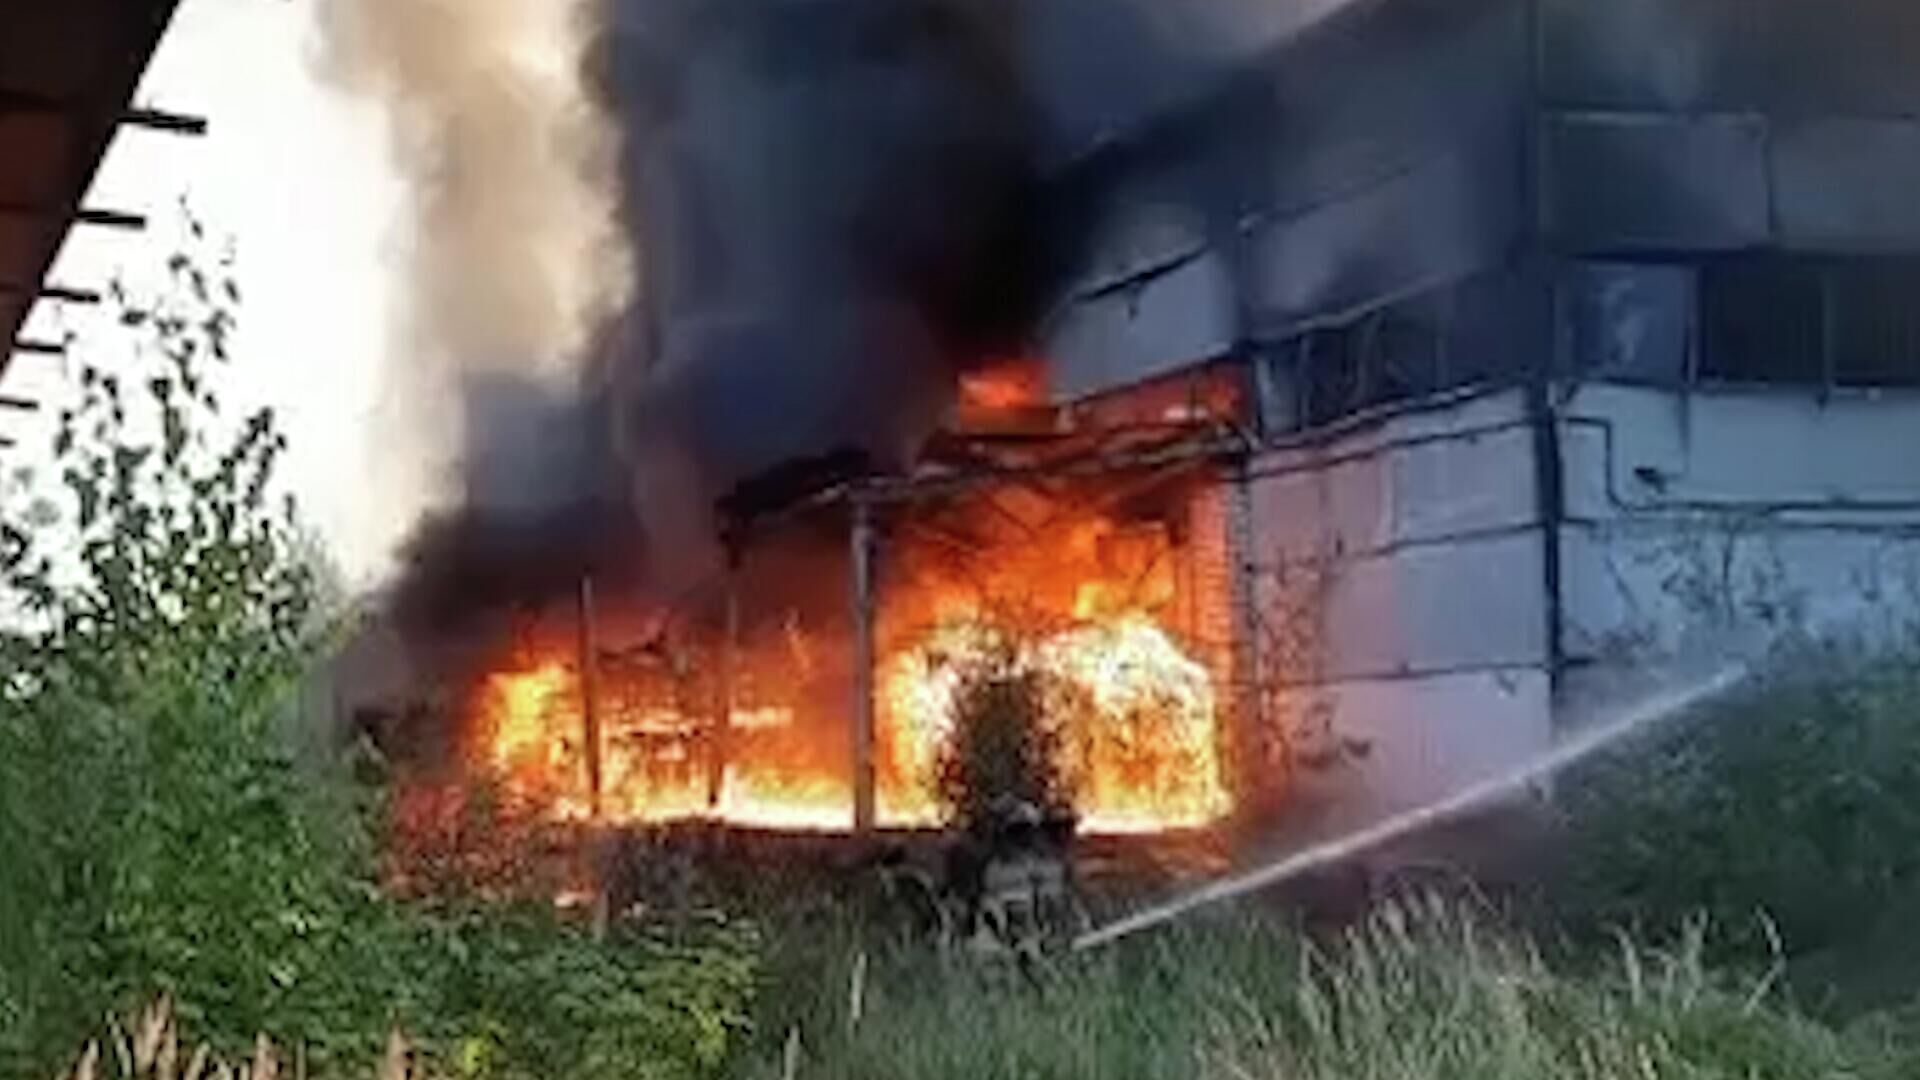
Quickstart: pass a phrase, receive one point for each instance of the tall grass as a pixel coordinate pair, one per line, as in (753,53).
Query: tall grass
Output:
(1419,991)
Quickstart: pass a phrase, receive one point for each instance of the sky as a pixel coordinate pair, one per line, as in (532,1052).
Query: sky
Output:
(298,175)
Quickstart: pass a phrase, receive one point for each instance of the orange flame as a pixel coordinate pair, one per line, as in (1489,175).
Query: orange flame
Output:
(1142,740)
(1144,755)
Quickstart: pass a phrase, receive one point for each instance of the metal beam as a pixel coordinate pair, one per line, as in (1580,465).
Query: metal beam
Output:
(863,660)
(171,123)
(720,731)
(590,694)
(64,293)
(112,219)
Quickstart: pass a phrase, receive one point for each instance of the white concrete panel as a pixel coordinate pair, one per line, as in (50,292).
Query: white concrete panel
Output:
(1674,587)
(1725,520)
(1438,608)
(1738,450)
(1423,476)
(1359,505)
(1409,550)
(1289,517)
(1477,483)
(1397,745)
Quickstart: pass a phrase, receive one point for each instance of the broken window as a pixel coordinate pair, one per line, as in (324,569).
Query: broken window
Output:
(1472,330)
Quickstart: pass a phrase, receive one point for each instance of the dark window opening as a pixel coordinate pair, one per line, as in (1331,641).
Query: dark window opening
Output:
(1805,321)
(1876,324)
(1762,320)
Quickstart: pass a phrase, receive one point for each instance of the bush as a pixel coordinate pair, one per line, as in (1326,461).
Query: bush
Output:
(1792,806)
(154,833)
(1007,740)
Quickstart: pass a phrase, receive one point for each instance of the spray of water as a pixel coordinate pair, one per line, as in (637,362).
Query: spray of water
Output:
(1598,738)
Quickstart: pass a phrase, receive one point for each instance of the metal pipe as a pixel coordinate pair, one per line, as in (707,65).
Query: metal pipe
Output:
(863,662)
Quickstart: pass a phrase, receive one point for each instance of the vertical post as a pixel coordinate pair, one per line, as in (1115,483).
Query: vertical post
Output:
(863,795)
(590,694)
(720,734)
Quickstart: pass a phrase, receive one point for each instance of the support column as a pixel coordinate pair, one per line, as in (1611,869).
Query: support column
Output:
(720,734)
(590,694)
(863,662)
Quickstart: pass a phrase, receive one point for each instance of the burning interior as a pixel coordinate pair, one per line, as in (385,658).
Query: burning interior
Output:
(810,685)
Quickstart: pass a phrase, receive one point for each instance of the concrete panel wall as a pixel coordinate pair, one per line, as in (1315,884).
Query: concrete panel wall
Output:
(1407,744)
(1725,520)
(1630,449)
(1164,322)
(1397,574)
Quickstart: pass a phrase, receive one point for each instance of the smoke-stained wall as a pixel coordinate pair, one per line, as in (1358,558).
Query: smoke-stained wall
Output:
(1401,147)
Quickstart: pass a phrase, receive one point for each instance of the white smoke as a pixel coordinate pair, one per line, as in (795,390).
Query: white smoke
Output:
(512,253)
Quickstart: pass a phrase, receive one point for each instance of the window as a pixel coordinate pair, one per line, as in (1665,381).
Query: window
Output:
(1822,322)
(1876,330)
(1485,327)
(1761,320)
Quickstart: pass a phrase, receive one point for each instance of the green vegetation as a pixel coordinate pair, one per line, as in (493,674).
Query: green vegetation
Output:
(1787,815)
(156,836)
(1419,992)
(1007,737)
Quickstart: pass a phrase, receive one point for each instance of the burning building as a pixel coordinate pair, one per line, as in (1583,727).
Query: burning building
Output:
(1408,374)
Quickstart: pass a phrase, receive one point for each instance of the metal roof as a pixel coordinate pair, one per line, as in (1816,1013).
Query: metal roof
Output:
(68,72)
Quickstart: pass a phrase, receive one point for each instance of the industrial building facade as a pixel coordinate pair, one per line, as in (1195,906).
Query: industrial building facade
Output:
(1583,336)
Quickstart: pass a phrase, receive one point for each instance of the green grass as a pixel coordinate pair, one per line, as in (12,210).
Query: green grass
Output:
(1421,992)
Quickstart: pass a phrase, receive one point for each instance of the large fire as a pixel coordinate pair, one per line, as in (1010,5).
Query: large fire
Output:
(1142,748)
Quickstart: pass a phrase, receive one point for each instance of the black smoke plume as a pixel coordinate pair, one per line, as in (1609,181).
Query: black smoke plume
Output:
(834,207)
